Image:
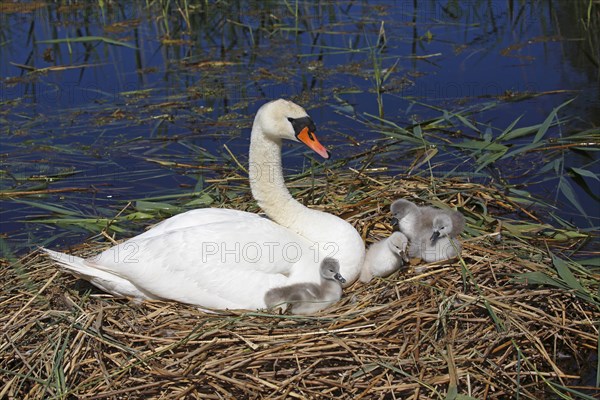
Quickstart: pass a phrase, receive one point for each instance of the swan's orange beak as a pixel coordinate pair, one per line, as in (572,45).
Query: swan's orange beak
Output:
(308,138)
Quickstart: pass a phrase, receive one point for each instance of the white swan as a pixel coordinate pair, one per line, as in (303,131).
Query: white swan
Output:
(385,257)
(308,298)
(228,259)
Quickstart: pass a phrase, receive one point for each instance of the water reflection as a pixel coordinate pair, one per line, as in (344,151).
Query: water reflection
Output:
(93,87)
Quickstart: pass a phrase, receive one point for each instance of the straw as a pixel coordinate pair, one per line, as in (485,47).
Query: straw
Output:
(438,333)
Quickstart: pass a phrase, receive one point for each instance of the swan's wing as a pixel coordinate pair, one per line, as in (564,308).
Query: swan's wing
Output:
(257,245)
(199,217)
(228,264)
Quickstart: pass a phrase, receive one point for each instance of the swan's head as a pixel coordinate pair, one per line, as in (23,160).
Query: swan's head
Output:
(397,242)
(442,226)
(400,209)
(283,119)
(330,269)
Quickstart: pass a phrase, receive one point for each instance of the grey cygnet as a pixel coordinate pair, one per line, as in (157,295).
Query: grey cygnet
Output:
(308,298)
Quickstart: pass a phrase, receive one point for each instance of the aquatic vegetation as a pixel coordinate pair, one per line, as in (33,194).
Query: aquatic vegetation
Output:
(115,116)
(492,314)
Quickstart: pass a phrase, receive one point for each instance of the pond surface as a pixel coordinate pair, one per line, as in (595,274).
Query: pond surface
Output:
(104,104)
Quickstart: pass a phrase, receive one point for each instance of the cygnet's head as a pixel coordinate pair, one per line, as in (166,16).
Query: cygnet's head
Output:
(400,209)
(283,119)
(330,269)
(397,242)
(442,226)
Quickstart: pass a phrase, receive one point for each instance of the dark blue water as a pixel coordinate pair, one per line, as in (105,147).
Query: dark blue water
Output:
(179,86)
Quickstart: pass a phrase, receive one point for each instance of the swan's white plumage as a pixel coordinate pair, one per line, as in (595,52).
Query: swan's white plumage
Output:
(106,281)
(226,259)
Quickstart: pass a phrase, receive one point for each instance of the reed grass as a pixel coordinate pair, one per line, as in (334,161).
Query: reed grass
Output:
(465,329)
(515,317)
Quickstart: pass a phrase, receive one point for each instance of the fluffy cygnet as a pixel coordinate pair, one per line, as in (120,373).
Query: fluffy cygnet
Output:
(439,242)
(385,257)
(432,231)
(308,298)
(412,219)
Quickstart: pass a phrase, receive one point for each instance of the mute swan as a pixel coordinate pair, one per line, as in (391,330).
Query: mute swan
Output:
(308,298)
(385,257)
(229,259)
(432,231)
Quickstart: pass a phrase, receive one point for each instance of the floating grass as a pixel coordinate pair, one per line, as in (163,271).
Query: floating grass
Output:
(447,330)
(85,39)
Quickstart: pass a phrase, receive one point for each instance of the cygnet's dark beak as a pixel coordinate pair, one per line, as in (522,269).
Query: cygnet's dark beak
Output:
(435,236)
(339,278)
(403,256)
(395,224)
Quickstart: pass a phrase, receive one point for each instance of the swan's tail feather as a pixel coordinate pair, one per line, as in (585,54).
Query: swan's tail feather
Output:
(73,263)
(105,280)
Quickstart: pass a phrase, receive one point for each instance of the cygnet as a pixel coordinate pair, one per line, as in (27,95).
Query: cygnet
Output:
(412,219)
(432,231)
(440,242)
(308,298)
(385,257)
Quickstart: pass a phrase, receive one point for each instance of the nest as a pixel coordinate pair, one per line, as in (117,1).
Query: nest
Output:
(456,328)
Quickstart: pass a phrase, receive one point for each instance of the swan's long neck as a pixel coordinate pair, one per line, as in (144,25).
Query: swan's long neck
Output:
(334,236)
(268,185)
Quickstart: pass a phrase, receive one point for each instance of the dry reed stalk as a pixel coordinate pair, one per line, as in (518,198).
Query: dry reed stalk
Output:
(422,335)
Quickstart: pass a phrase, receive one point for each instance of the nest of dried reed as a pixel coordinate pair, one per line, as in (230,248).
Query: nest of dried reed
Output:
(452,330)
